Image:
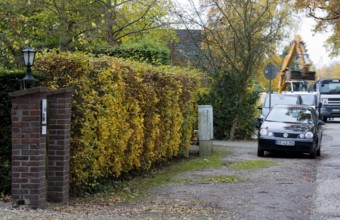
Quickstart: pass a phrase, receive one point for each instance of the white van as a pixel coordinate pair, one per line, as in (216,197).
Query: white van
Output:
(275,99)
(308,98)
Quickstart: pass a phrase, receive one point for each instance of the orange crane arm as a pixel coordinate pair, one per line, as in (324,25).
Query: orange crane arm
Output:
(303,60)
(296,48)
(285,64)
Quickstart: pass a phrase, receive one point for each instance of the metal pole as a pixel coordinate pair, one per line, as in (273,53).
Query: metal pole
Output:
(270,94)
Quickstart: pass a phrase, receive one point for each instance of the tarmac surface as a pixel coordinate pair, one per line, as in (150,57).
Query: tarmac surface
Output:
(295,188)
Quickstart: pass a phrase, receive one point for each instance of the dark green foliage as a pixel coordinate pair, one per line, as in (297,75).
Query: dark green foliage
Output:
(142,51)
(223,97)
(245,127)
(9,82)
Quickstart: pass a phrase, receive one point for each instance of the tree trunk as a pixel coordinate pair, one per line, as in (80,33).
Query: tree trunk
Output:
(235,121)
(233,127)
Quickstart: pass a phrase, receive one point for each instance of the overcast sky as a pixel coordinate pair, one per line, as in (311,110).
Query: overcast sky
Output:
(314,43)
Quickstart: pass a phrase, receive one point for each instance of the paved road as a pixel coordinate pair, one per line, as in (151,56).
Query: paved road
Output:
(325,171)
(327,200)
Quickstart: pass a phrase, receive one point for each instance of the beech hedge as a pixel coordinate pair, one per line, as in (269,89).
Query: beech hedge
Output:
(126,116)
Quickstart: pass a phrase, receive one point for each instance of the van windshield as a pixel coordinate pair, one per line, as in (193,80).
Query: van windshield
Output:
(290,115)
(308,99)
(281,99)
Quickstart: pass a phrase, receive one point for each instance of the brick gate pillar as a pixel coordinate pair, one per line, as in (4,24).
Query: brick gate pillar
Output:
(58,150)
(28,147)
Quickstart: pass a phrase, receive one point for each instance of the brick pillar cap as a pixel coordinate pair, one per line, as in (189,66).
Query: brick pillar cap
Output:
(62,90)
(40,89)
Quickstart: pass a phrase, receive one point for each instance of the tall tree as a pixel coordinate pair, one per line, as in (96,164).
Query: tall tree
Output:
(12,30)
(332,71)
(327,15)
(239,35)
(121,19)
(72,24)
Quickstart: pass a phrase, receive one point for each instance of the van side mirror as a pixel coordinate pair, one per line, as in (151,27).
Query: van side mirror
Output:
(259,107)
(320,122)
(258,123)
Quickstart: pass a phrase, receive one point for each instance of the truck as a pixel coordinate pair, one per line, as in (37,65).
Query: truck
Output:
(295,80)
(329,96)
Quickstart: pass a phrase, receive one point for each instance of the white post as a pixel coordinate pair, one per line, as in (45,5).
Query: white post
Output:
(205,129)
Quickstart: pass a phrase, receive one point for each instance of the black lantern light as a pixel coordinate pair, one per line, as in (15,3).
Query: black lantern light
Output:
(29,55)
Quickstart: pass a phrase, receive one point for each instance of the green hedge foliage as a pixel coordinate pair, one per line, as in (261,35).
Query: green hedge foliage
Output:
(223,95)
(10,80)
(143,51)
(126,116)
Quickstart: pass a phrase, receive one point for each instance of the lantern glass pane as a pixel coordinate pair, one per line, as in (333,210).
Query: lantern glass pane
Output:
(26,57)
(31,58)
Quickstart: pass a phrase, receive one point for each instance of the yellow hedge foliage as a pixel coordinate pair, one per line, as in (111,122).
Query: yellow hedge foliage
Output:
(125,115)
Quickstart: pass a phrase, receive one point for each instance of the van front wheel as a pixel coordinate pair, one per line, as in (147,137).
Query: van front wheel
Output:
(260,153)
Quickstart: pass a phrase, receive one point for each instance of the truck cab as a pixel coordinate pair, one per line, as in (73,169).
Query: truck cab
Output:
(329,90)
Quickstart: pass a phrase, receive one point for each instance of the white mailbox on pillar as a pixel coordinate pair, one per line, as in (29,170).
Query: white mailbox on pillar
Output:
(43,116)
